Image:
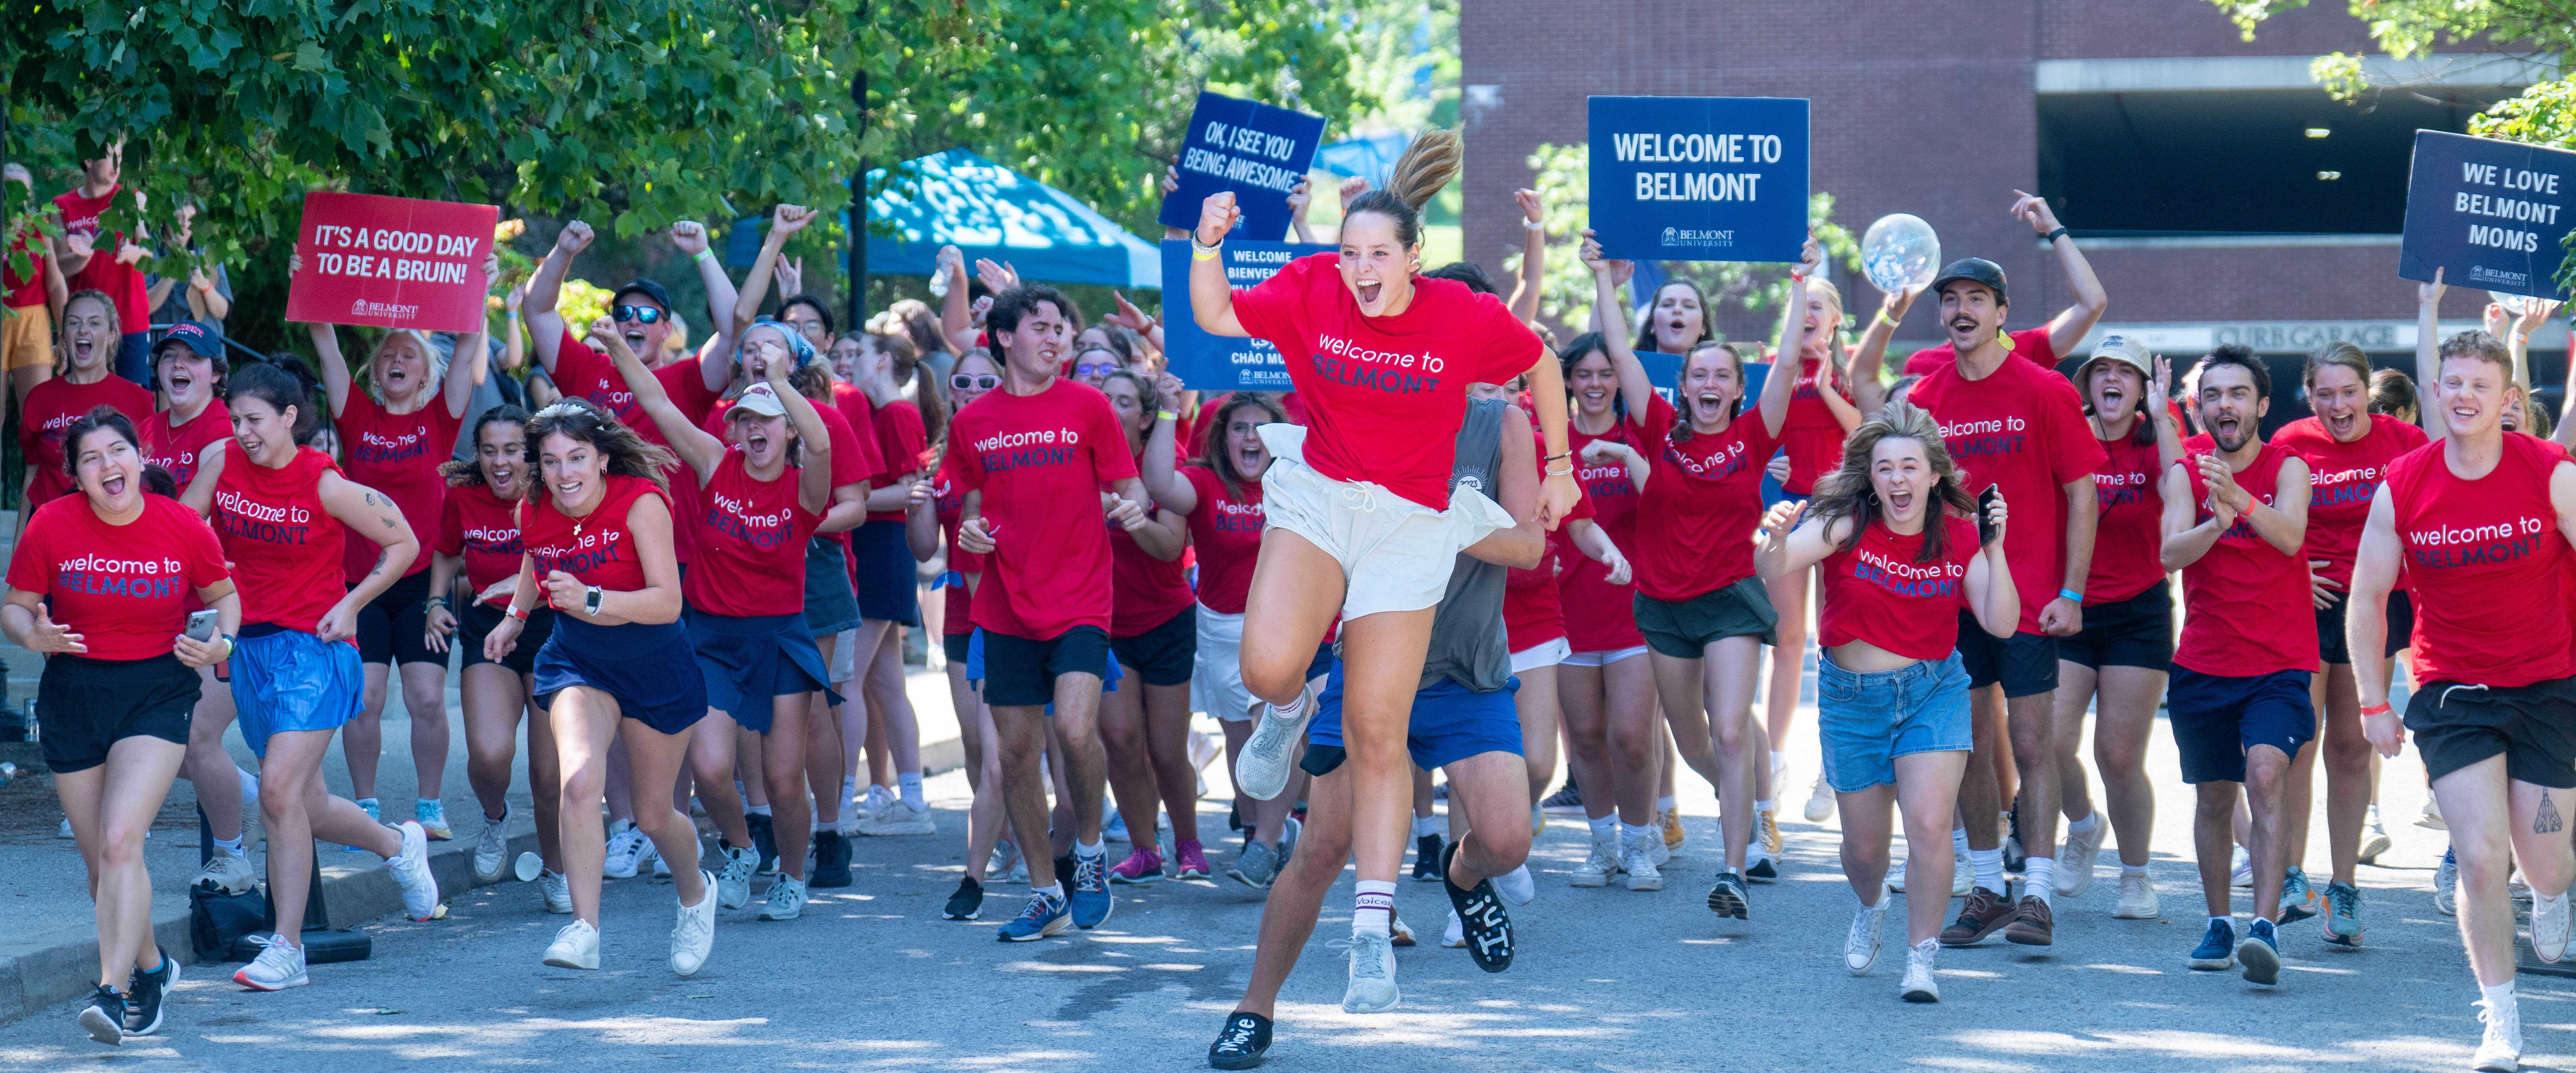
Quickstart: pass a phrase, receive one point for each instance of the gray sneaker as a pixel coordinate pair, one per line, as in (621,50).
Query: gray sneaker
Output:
(1261,771)
(733,881)
(1372,981)
(492,848)
(1255,867)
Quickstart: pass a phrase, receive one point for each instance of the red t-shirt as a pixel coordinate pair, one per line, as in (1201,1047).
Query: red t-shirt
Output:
(751,543)
(852,462)
(51,408)
(1877,592)
(901,441)
(283,546)
(124,588)
(856,412)
(177,449)
(1040,461)
(2021,428)
(484,529)
(597,548)
(2246,607)
(950,501)
(121,282)
(2029,343)
(1145,592)
(398,455)
(29,290)
(1810,433)
(2128,541)
(2345,476)
(1600,616)
(1385,395)
(1226,530)
(1703,501)
(1533,613)
(2488,564)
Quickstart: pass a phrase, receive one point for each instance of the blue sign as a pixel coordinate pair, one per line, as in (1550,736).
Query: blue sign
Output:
(1214,362)
(1699,178)
(1256,150)
(2489,214)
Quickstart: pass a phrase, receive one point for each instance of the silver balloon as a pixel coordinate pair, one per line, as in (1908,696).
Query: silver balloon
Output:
(2514,304)
(1900,252)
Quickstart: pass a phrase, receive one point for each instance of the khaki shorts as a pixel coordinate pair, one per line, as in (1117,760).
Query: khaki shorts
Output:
(27,338)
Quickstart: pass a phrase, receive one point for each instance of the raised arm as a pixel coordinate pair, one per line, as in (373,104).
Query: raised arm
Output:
(514,340)
(2068,329)
(1533,273)
(956,321)
(784,222)
(1160,468)
(702,451)
(328,362)
(814,479)
(1300,197)
(1634,386)
(2428,364)
(471,360)
(1869,359)
(1788,547)
(691,238)
(545,288)
(1211,296)
(1783,378)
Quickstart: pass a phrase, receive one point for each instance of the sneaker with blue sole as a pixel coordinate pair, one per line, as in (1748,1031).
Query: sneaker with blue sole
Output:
(2260,954)
(2217,949)
(2298,900)
(1089,892)
(1042,917)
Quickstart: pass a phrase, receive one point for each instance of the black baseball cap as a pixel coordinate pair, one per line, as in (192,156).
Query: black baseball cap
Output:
(648,289)
(1977,270)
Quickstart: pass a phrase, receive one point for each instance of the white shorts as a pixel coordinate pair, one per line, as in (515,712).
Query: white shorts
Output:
(1395,554)
(1216,683)
(845,656)
(1547,653)
(1603,659)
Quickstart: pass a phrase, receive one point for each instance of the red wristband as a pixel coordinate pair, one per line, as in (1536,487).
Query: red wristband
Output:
(2376,709)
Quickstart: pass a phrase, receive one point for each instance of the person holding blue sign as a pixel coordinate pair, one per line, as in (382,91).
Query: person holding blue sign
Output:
(1382,359)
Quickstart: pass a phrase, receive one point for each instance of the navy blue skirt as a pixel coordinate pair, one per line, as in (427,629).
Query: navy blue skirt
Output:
(748,661)
(652,675)
(885,574)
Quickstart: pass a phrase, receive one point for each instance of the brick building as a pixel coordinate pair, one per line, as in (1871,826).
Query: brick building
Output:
(2220,195)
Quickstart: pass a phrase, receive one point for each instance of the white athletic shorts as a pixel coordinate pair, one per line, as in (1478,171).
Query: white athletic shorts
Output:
(1603,659)
(1216,682)
(1395,553)
(1547,653)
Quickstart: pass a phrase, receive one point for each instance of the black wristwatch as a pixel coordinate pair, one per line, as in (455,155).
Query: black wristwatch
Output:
(2055,235)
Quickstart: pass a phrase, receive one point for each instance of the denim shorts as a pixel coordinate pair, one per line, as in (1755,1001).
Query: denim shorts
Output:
(1868,720)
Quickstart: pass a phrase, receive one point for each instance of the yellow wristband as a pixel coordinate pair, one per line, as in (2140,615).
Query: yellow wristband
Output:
(1197,254)
(1166,415)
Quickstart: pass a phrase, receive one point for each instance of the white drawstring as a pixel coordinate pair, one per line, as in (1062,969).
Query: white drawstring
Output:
(2446,694)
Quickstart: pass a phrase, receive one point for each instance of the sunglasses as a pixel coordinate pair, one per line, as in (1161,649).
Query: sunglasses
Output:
(966,382)
(1080,369)
(643,314)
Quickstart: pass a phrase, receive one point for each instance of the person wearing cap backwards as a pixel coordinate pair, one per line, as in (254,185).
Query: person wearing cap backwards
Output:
(2017,426)
(2234,522)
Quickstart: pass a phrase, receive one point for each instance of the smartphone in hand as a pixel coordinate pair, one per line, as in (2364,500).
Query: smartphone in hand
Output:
(201,625)
(1985,526)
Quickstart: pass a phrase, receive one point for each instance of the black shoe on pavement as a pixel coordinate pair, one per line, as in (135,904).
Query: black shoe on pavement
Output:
(1428,859)
(1727,898)
(764,840)
(1240,1046)
(104,1017)
(1567,799)
(143,994)
(1487,926)
(831,861)
(967,903)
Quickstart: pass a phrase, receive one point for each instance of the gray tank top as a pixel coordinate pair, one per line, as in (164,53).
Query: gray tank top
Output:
(1467,641)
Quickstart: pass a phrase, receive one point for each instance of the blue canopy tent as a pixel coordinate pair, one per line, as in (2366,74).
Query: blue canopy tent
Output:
(987,210)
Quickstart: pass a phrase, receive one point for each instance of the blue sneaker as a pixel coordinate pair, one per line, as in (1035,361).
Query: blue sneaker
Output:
(2298,900)
(368,804)
(2260,953)
(1043,917)
(1090,892)
(2343,915)
(1116,829)
(433,820)
(2217,949)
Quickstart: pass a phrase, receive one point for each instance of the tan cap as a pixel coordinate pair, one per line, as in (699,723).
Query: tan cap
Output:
(2124,348)
(758,399)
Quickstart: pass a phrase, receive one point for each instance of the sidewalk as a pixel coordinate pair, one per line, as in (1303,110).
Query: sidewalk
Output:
(49,946)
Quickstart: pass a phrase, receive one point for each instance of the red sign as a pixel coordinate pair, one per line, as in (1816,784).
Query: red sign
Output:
(392,262)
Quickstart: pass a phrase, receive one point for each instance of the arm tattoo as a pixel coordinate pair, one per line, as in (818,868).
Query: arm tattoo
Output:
(2548,821)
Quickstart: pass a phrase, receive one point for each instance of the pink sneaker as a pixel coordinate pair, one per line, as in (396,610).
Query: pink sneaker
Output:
(1144,864)
(1192,860)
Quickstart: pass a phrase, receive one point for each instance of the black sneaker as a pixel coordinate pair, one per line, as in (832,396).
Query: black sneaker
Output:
(831,860)
(967,903)
(764,840)
(1763,870)
(1233,818)
(1488,927)
(1567,799)
(1240,1046)
(143,994)
(104,1017)
(1428,859)
(1727,899)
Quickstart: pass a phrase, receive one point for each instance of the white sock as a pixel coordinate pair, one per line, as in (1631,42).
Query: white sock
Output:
(231,845)
(1867,904)
(1605,826)
(1959,842)
(1054,891)
(1093,850)
(1639,830)
(821,826)
(2127,870)
(1664,803)
(1426,825)
(1373,908)
(756,810)
(2498,996)
(2040,874)
(1290,711)
(909,785)
(1779,760)
(1761,806)
(2229,921)
(1989,864)
(849,789)
(2086,825)
(368,802)
(250,789)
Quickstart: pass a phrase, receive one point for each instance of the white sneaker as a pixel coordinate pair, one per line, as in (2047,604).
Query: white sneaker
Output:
(2240,873)
(1006,865)
(878,798)
(898,818)
(2075,859)
(1455,935)
(1596,869)
(65,831)
(1860,948)
(733,881)
(1896,874)
(492,848)
(2431,819)
(1963,876)
(1372,983)
(1820,801)
(1919,985)
(786,899)
(2549,927)
(576,946)
(411,869)
(1637,858)
(2137,897)
(625,845)
(2500,1049)
(1515,886)
(280,965)
(226,873)
(694,936)
(558,888)
(1261,772)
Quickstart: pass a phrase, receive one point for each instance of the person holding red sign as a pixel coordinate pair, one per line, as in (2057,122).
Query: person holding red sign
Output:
(122,569)
(92,259)
(284,512)
(91,328)
(1382,359)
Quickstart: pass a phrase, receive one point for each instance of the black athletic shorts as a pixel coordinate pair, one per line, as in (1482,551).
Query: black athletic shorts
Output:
(2459,724)
(477,621)
(956,645)
(2136,632)
(1162,656)
(393,628)
(85,706)
(2026,663)
(2401,629)
(1021,671)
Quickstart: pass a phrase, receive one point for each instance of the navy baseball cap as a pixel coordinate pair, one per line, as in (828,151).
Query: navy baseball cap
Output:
(1977,270)
(648,289)
(199,336)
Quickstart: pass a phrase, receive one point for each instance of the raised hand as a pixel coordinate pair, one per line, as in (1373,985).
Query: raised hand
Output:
(791,276)
(2430,294)
(1351,189)
(576,237)
(518,295)
(952,261)
(1299,199)
(997,277)
(1531,208)
(1128,316)
(1218,214)
(690,236)
(1782,517)
(492,271)
(790,219)
(2535,311)
(2033,209)
(1171,180)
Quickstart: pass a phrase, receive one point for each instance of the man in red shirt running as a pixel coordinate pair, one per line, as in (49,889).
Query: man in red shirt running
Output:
(2480,521)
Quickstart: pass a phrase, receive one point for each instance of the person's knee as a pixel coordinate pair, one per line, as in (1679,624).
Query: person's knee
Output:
(1866,851)
(2212,802)
(121,843)
(2118,756)
(2346,752)
(1504,847)
(585,784)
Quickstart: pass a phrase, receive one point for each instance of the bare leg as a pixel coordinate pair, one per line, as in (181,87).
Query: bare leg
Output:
(297,810)
(709,748)
(425,700)
(2120,738)
(545,781)
(1681,683)
(1536,704)
(362,740)
(1581,695)
(2212,845)
(2075,687)
(2266,780)
(493,702)
(110,807)
(2494,823)
(1730,668)
(1980,793)
(1131,771)
(782,770)
(1297,895)
(2350,785)
(209,766)
(657,760)
(2033,722)
(825,758)
(1788,658)
(1491,790)
(1927,791)
(584,722)
(893,707)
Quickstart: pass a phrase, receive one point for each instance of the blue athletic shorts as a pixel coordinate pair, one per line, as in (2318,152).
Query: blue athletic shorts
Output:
(2217,720)
(1450,722)
(291,680)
